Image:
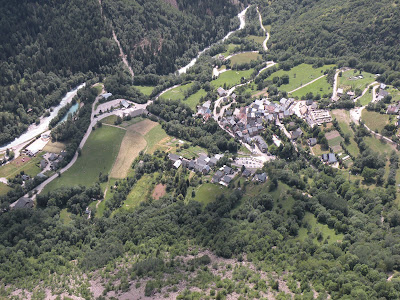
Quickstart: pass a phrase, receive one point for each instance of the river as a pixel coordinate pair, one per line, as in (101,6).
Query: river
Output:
(242,19)
(34,130)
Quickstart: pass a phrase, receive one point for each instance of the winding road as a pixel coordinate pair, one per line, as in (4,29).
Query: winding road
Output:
(94,120)
(265,47)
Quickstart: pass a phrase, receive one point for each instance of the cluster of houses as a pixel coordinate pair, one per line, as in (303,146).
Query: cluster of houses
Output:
(53,159)
(205,110)
(202,164)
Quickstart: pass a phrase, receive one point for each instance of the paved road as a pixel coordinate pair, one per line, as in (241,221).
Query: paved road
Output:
(312,81)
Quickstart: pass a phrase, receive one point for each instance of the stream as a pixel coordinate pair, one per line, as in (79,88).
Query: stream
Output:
(242,19)
(34,130)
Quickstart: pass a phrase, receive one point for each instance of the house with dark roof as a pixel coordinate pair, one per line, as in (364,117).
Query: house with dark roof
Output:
(173,157)
(217,177)
(296,134)
(53,157)
(212,162)
(261,177)
(43,164)
(226,180)
(332,158)
(261,143)
(22,202)
(312,142)
(246,173)
(228,170)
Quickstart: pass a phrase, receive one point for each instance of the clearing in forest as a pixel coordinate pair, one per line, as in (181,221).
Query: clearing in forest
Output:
(159,191)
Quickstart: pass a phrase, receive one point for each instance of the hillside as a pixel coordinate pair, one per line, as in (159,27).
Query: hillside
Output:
(347,32)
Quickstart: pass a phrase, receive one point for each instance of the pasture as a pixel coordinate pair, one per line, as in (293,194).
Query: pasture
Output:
(56,147)
(140,192)
(245,58)
(374,120)
(177,93)
(321,86)
(29,165)
(231,78)
(144,89)
(193,100)
(299,75)
(350,81)
(97,156)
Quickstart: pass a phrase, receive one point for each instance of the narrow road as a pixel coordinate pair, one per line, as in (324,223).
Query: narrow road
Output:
(123,55)
(307,84)
(335,84)
(94,120)
(265,47)
(366,90)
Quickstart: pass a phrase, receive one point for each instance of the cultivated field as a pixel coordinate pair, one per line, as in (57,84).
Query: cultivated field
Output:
(131,145)
(334,140)
(98,156)
(159,191)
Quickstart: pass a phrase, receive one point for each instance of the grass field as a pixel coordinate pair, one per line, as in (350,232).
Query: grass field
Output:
(145,90)
(244,58)
(318,151)
(377,145)
(374,120)
(109,120)
(231,48)
(29,166)
(157,138)
(316,227)
(206,193)
(4,189)
(347,83)
(299,76)
(140,192)
(257,39)
(177,93)
(54,147)
(98,156)
(366,99)
(65,216)
(320,86)
(193,100)
(231,78)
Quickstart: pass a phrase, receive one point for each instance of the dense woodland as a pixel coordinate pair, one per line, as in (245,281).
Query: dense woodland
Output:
(352,33)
